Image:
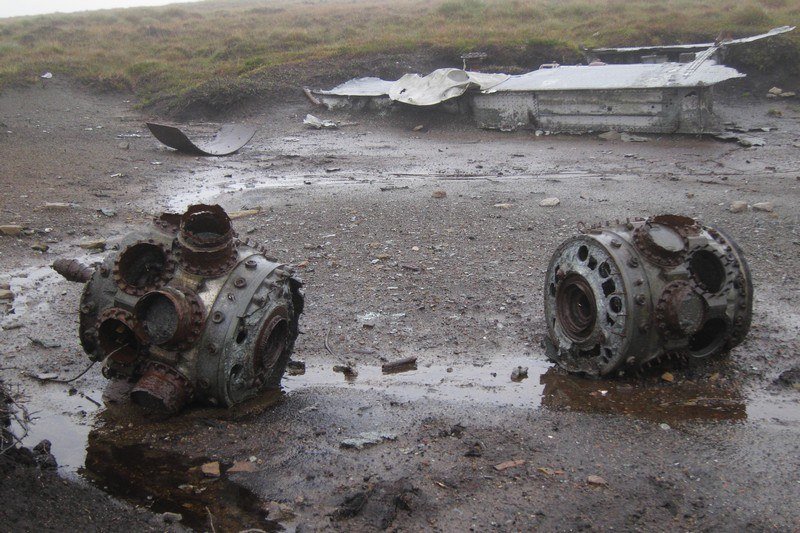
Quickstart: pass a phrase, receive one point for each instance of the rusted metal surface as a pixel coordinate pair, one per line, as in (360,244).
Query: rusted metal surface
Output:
(189,312)
(627,295)
(73,270)
(230,138)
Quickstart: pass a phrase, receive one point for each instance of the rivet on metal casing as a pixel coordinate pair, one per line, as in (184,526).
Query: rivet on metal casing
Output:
(240,283)
(615,243)
(250,264)
(217,317)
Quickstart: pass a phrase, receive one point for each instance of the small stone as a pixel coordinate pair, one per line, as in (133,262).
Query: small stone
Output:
(788,94)
(775,90)
(438,194)
(210,469)
(738,207)
(509,464)
(107,212)
(764,206)
(596,480)
(11,230)
(39,247)
(668,377)
(6,294)
(420,127)
(124,145)
(550,202)
(171,518)
(57,205)
(99,245)
(664,426)
(504,206)
(519,373)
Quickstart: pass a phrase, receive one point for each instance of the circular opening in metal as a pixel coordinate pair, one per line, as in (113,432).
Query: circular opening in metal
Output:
(159,317)
(709,339)
(615,304)
(272,343)
(141,264)
(117,340)
(666,238)
(707,270)
(575,307)
(583,253)
(206,225)
(241,336)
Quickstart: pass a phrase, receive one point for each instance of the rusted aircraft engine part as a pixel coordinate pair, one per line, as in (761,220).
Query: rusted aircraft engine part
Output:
(633,293)
(73,270)
(190,313)
(231,138)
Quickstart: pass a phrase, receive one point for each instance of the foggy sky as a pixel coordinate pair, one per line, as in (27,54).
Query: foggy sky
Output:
(37,7)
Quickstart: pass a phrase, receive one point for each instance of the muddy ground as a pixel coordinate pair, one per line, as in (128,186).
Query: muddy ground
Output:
(392,271)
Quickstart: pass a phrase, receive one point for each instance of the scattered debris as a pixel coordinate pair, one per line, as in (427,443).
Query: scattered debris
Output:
(764,206)
(369,438)
(47,76)
(98,245)
(550,202)
(644,249)
(317,123)
(743,140)
(230,139)
(509,464)
(58,205)
(596,480)
(348,370)
(519,373)
(11,230)
(39,247)
(401,365)
(244,213)
(137,299)
(738,207)
(210,469)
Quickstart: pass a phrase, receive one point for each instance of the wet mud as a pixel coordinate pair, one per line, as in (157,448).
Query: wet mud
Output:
(452,279)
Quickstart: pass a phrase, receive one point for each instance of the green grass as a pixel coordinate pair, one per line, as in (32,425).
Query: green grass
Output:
(219,52)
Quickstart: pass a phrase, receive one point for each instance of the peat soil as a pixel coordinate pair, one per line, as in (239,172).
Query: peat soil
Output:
(394,268)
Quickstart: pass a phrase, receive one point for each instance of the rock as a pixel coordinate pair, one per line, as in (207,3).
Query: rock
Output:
(550,202)
(772,95)
(171,518)
(10,230)
(775,90)
(668,377)
(107,212)
(295,368)
(44,343)
(39,247)
(764,206)
(519,373)
(505,465)
(664,426)
(610,136)
(476,450)
(317,123)
(99,245)
(438,194)
(503,206)
(774,112)
(596,480)
(738,207)
(124,145)
(242,466)
(279,512)
(369,438)
(788,94)
(420,127)
(43,457)
(349,370)
(6,294)
(58,205)
(790,378)
(210,469)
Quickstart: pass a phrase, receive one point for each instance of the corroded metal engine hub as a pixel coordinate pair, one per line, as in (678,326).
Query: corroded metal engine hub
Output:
(189,312)
(633,293)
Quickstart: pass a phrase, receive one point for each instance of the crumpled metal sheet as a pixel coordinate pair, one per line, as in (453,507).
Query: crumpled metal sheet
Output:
(610,77)
(440,85)
(691,47)
(369,86)
(229,139)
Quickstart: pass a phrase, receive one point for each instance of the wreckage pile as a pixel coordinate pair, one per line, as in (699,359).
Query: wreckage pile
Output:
(189,312)
(630,294)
